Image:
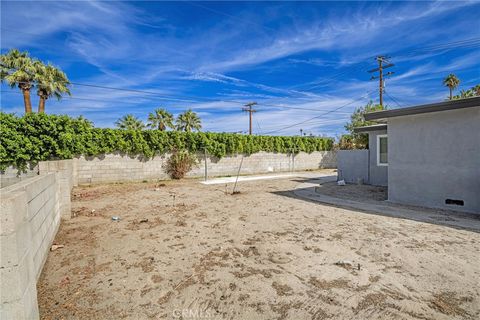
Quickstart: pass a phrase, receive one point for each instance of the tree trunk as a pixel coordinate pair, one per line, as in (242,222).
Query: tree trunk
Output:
(41,105)
(26,100)
(451,92)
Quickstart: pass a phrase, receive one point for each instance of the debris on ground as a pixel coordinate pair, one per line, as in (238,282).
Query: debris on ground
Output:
(116,218)
(56,246)
(143,220)
(341,183)
(65,281)
(344,263)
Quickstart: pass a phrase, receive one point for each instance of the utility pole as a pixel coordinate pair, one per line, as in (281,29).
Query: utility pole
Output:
(381,66)
(248,108)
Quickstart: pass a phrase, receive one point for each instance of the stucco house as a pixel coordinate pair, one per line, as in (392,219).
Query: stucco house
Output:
(427,155)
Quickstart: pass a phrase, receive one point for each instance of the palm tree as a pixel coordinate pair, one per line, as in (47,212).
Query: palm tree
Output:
(188,121)
(467,94)
(160,119)
(51,81)
(477,90)
(18,70)
(452,82)
(470,93)
(130,122)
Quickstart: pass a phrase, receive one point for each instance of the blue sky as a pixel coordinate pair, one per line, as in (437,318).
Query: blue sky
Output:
(296,60)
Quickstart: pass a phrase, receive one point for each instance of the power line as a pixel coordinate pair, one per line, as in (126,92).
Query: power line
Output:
(161,98)
(444,46)
(165,97)
(466,43)
(316,117)
(87,98)
(323,81)
(393,99)
(471,42)
(258,125)
(310,123)
(439,72)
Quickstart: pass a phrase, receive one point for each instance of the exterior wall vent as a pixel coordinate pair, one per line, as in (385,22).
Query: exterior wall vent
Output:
(454,202)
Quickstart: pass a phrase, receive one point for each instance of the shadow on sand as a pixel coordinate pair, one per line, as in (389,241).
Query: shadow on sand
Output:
(453,219)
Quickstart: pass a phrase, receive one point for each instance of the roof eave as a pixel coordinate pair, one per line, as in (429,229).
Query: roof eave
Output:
(375,127)
(426,108)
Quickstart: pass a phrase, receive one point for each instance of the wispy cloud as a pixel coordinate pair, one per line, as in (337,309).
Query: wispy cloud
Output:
(216,56)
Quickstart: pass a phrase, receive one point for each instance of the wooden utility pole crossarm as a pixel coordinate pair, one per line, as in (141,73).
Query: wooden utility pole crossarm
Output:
(381,66)
(248,108)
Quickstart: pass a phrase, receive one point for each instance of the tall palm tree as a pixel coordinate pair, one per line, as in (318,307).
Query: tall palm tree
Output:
(452,82)
(130,122)
(18,70)
(51,81)
(160,119)
(188,121)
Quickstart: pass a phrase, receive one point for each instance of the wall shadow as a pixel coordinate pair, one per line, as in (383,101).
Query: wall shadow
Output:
(446,218)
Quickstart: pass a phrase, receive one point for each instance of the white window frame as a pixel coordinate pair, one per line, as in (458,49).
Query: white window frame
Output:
(378,150)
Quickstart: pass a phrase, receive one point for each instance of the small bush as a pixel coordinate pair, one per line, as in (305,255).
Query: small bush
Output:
(179,163)
(352,142)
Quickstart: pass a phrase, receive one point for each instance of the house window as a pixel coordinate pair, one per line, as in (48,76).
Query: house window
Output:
(382,150)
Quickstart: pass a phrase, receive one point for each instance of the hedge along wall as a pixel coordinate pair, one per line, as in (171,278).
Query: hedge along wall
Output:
(39,137)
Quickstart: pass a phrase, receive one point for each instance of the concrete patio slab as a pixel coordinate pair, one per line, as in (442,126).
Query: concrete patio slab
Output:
(454,219)
(268,177)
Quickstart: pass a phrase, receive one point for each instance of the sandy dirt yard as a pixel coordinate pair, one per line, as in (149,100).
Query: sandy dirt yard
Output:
(183,250)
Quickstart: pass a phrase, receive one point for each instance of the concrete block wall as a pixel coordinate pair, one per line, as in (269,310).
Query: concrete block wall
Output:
(67,178)
(30,217)
(315,160)
(261,162)
(120,167)
(11,175)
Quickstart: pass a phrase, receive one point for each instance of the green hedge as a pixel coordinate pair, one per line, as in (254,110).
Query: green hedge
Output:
(37,137)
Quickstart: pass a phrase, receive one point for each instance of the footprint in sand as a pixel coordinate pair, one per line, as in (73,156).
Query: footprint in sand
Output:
(279,259)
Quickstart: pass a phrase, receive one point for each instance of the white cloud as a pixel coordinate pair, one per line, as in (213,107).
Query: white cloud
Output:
(104,35)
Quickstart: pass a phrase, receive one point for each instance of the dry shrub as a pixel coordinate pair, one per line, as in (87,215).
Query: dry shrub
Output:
(180,162)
